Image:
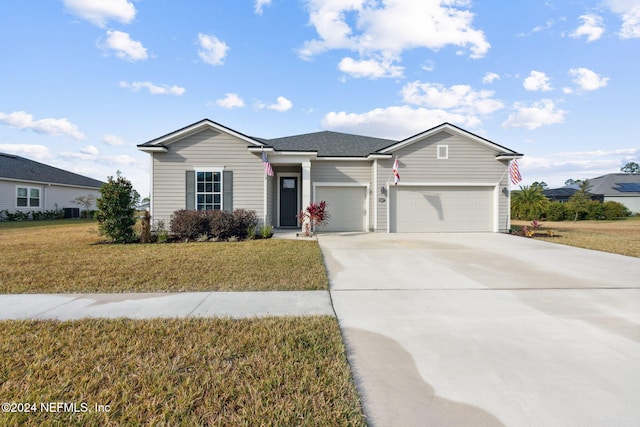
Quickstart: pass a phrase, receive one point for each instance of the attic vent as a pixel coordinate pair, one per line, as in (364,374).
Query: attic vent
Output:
(443,152)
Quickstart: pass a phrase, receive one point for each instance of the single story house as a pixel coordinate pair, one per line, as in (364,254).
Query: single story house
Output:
(27,185)
(450,180)
(623,188)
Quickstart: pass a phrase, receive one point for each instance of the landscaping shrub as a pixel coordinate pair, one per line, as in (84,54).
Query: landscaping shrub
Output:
(613,210)
(594,211)
(243,220)
(115,214)
(556,211)
(189,224)
(220,224)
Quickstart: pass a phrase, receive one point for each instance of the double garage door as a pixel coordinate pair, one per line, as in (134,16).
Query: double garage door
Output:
(431,209)
(346,205)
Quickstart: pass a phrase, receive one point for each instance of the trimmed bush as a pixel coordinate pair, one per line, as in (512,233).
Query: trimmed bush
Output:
(613,210)
(220,224)
(115,214)
(243,220)
(556,211)
(189,224)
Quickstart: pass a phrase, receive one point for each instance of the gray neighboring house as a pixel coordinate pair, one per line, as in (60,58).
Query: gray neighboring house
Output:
(26,185)
(451,180)
(618,187)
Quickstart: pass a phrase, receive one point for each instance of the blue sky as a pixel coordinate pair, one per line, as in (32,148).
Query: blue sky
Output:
(83,81)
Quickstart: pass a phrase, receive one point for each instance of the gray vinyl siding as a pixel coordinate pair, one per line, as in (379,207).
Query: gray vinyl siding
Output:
(346,171)
(206,149)
(468,162)
(51,196)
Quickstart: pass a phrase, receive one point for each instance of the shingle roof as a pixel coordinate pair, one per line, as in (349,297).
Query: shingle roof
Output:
(616,184)
(329,144)
(19,168)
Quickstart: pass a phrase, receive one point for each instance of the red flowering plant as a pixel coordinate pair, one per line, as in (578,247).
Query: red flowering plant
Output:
(314,215)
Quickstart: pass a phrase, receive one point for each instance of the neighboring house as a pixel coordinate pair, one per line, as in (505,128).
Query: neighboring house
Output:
(26,185)
(450,180)
(618,187)
(562,194)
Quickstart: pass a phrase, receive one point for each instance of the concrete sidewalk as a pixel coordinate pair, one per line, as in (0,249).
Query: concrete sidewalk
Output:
(166,305)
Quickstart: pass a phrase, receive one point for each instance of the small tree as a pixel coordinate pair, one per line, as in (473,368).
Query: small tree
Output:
(86,201)
(314,215)
(115,213)
(528,203)
(579,202)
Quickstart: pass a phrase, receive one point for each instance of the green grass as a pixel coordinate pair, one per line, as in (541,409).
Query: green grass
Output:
(69,257)
(618,237)
(273,371)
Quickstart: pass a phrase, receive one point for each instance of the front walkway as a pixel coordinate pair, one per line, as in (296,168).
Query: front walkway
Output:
(167,305)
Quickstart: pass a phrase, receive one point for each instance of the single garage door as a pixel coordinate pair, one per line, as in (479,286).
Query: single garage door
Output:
(441,209)
(346,206)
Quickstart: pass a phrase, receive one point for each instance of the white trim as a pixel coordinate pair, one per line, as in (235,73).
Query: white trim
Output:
(29,182)
(192,129)
(28,206)
(298,195)
(151,202)
(366,186)
(154,149)
(375,192)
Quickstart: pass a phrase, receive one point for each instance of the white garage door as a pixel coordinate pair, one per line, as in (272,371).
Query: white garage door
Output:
(441,209)
(346,205)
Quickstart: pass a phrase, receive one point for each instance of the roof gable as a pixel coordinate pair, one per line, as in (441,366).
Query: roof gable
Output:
(160,143)
(21,169)
(621,184)
(453,130)
(330,144)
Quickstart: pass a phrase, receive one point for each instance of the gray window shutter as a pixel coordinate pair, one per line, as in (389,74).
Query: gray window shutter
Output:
(227,191)
(190,191)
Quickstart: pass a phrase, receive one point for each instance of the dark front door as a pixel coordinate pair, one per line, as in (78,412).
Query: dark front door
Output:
(288,201)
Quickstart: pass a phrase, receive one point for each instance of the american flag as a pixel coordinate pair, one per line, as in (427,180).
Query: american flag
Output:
(396,175)
(267,166)
(514,172)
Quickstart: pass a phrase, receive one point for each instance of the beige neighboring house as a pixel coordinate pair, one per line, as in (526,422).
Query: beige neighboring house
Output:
(623,188)
(27,185)
(451,180)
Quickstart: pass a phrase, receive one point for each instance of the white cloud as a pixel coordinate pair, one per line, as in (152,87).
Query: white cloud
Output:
(541,113)
(55,127)
(629,11)
(458,98)
(113,140)
(490,77)
(153,88)
(395,122)
(370,68)
(212,50)
(90,149)
(587,79)
(282,104)
(231,100)
(260,4)
(37,152)
(124,47)
(384,29)
(591,28)
(537,80)
(99,12)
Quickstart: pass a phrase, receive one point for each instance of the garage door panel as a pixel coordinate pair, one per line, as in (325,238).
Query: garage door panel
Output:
(442,209)
(345,205)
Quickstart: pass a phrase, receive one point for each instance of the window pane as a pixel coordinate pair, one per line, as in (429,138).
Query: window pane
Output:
(208,198)
(200,198)
(216,176)
(208,187)
(22,192)
(200,176)
(35,193)
(34,203)
(200,187)
(208,176)
(216,198)
(216,187)
(22,201)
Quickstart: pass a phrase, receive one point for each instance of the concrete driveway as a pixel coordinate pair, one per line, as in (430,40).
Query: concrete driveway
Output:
(487,329)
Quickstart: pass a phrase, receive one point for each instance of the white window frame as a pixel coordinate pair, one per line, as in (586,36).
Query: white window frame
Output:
(446,152)
(213,193)
(29,189)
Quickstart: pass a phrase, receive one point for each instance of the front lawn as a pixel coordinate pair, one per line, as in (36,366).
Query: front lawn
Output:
(618,237)
(270,371)
(68,257)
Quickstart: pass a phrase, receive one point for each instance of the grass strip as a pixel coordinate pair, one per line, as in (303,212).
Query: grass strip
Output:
(269,371)
(68,257)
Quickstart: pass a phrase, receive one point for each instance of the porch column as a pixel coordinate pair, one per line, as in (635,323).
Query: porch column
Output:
(306,184)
